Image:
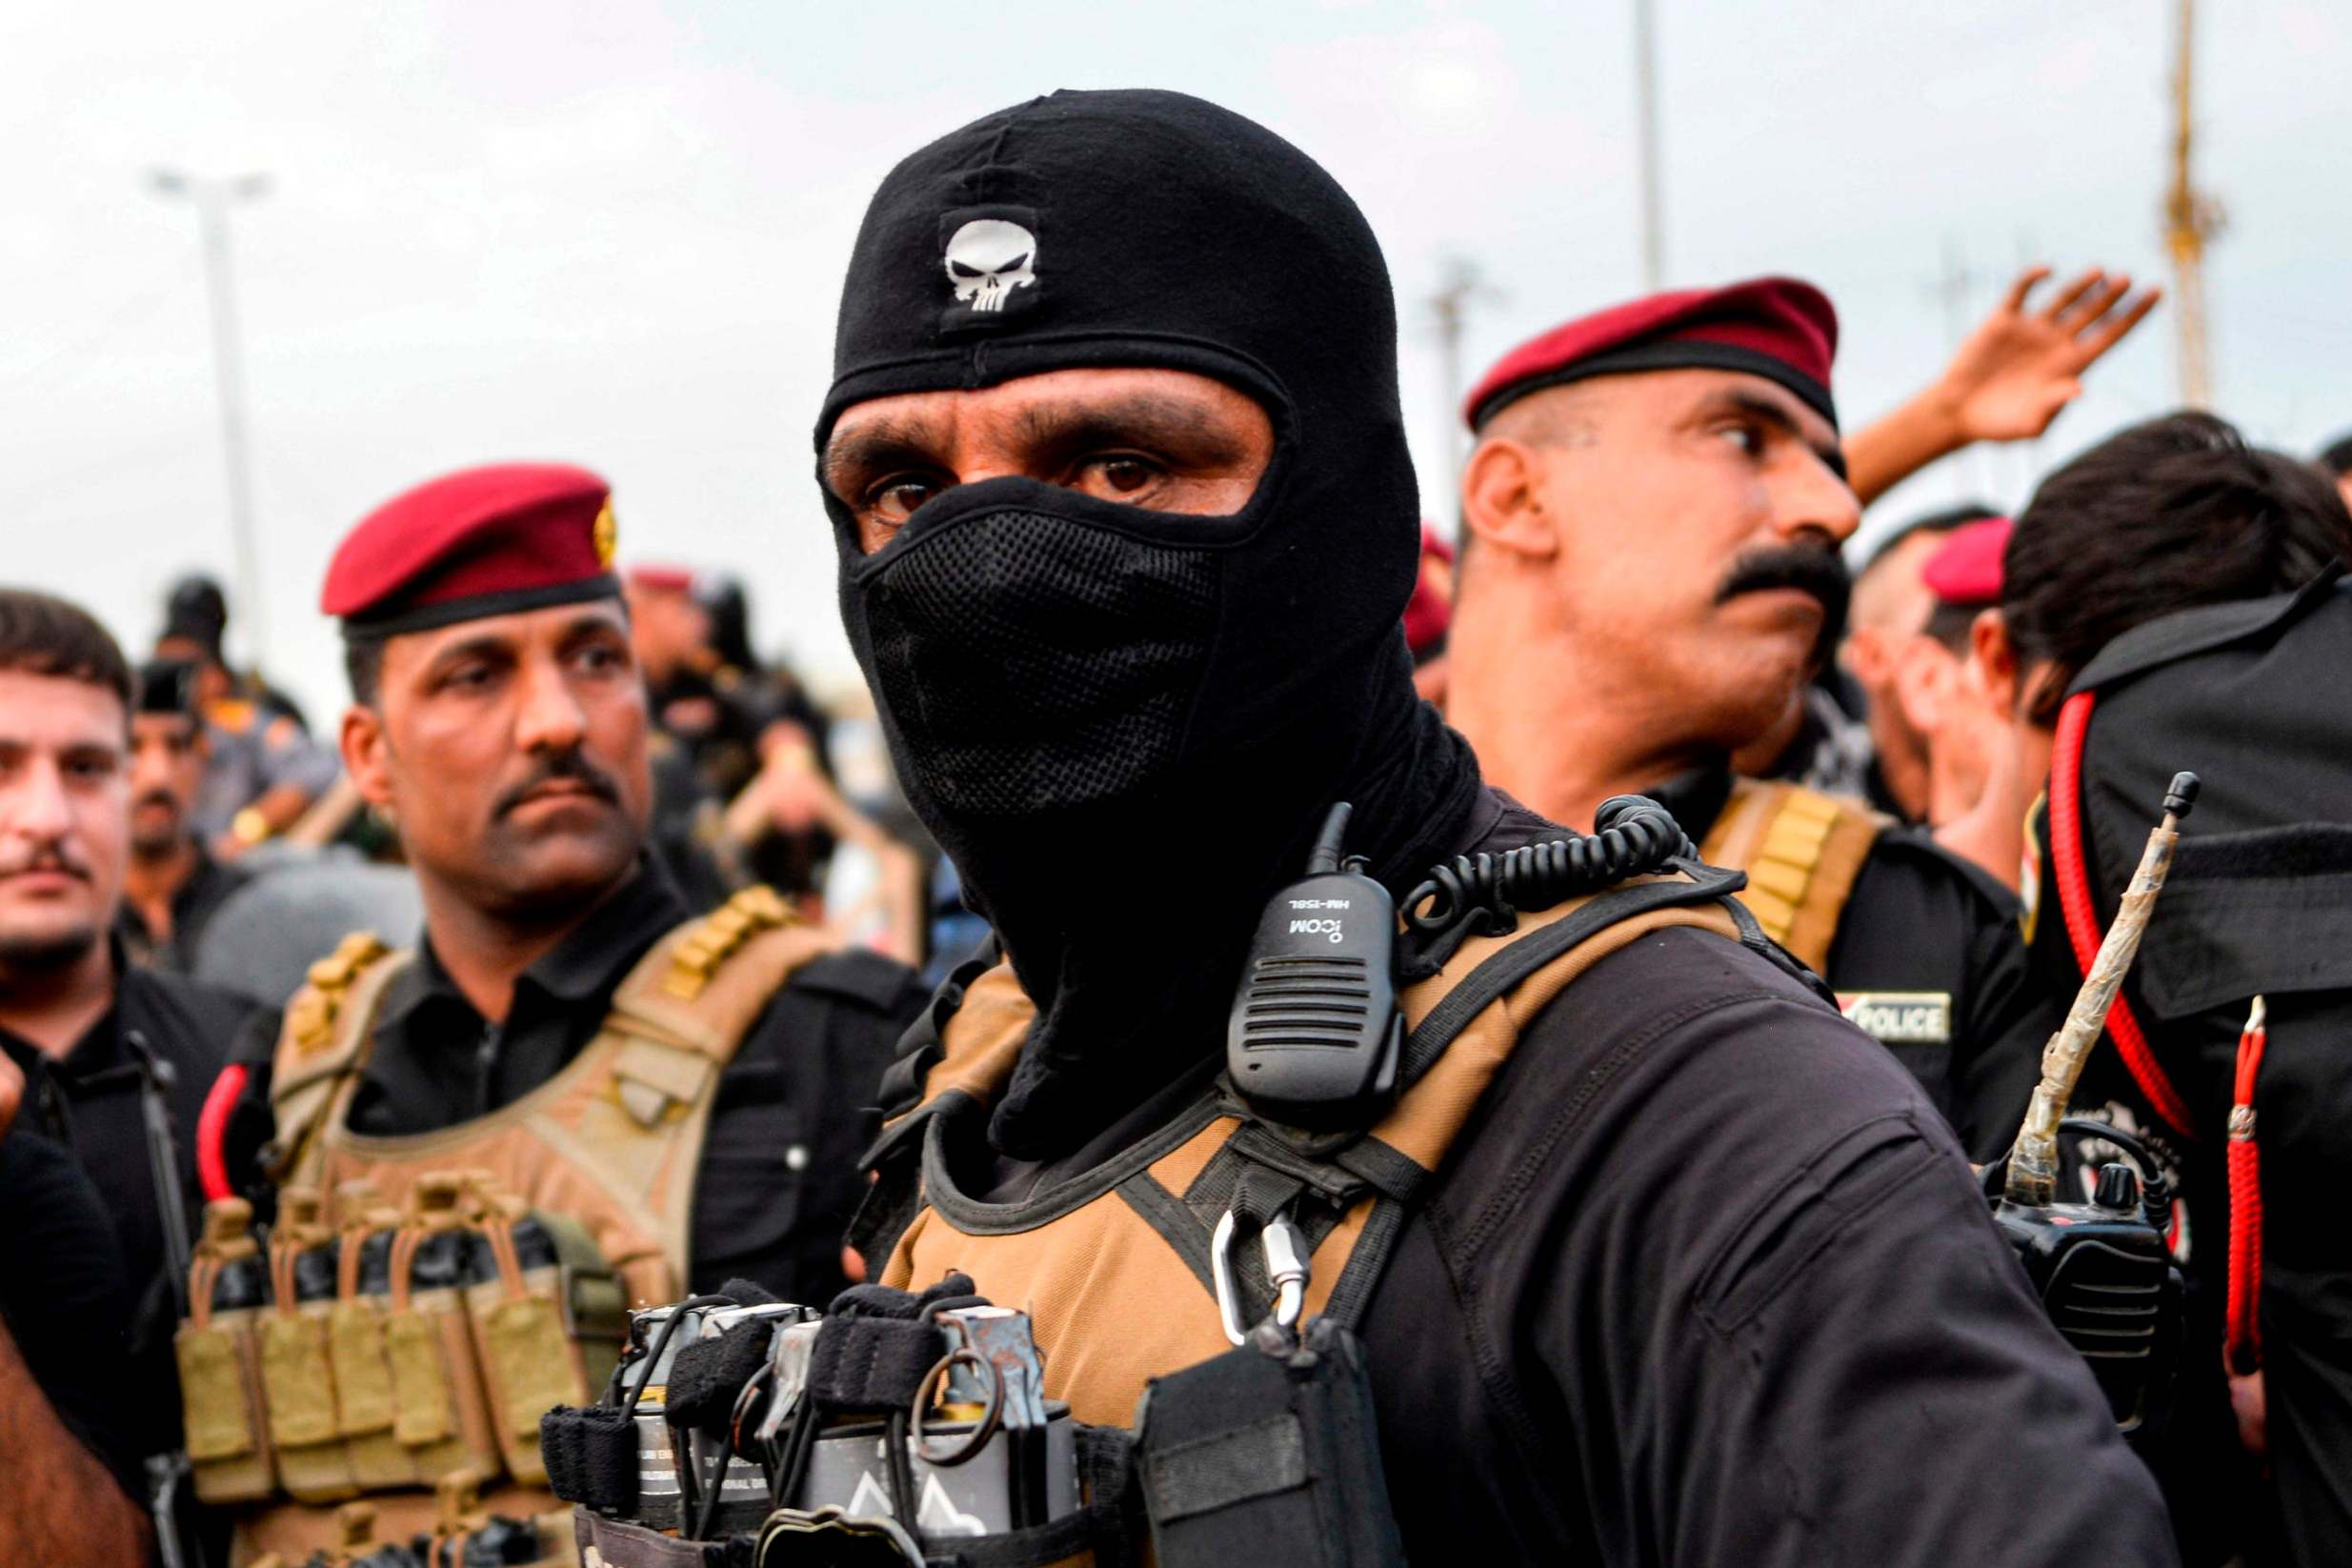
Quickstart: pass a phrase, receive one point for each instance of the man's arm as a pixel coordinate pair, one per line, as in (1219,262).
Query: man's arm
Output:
(59,1502)
(2007,382)
(1784,1311)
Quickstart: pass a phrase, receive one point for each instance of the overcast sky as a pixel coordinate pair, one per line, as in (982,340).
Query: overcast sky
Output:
(613,232)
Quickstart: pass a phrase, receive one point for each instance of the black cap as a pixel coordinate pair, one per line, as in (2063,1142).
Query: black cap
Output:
(197,610)
(167,686)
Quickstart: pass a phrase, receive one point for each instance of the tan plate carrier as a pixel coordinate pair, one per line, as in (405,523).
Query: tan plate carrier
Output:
(1113,1267)
(1802,852)
(604,1154)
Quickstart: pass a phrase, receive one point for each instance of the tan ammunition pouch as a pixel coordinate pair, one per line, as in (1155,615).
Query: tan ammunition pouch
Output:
(1113,1267)
(415,1384)
(1802,852)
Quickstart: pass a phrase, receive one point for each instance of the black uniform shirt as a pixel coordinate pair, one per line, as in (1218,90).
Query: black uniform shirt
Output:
(66,1302)
(778,1175)
(88,1098)
(209,885)
(1705,1281)
(1923,921)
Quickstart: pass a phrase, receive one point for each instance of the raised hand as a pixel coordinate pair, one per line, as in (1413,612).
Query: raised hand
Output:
(2020,365)
(2024,362)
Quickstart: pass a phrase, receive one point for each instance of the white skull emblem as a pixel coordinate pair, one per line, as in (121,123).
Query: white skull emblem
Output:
(988,258)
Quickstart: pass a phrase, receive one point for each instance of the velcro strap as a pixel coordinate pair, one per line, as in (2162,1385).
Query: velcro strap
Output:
(591,1455)
(1225,1468)
(873,1364)
(706,1377)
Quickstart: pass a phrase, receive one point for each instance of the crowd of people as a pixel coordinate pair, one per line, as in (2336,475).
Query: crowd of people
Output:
(572,915)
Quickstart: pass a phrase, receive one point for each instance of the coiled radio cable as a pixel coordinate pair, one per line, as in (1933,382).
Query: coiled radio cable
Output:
(1483,894)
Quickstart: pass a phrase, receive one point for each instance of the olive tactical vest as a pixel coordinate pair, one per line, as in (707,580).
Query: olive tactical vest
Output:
(1802,852)
(1114,1266)
(505,1253)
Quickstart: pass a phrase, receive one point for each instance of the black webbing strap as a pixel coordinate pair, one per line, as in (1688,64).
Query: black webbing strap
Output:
(591,1455)
(870,1364)
(1502,971)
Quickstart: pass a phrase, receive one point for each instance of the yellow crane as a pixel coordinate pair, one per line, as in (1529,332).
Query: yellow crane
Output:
(2191,218)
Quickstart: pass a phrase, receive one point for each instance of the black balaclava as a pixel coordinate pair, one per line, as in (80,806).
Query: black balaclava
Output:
(1125,726)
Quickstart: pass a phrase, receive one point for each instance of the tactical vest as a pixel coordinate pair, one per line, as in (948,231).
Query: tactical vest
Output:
(1115,1267)
(1802,851)
(424,1299)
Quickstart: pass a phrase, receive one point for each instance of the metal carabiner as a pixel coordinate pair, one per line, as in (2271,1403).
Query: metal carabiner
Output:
(1285,1251)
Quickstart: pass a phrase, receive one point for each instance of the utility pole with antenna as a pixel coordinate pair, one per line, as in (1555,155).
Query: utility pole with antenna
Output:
(2191,218)
(1460,286)
(213,198)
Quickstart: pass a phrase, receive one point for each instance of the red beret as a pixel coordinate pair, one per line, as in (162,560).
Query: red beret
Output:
(1778,328)
(1430,612)
(1966,570)
(656,578)
(482,541)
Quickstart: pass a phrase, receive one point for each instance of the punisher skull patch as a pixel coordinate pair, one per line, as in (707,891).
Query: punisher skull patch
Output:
(989,265)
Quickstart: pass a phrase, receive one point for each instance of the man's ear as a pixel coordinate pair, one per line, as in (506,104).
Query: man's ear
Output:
(1502,500)
(1925,676)
(365,754)
(1993,660)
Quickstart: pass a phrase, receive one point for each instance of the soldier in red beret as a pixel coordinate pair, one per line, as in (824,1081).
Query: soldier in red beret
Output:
(679,1096)
(1652,518)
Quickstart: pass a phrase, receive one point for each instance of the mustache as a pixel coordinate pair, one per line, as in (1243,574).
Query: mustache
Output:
(564,766)
(51,856)
(1816,571)
(156,797)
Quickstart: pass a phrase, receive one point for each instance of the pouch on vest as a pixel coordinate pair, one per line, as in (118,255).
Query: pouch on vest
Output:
(1269,1454)
(296,1374)
(225,1420)
(548,1323)
(356,1343)
(440,1414)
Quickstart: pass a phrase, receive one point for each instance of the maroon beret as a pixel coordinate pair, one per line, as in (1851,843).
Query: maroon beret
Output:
(1778,328)
(482,541)
(658,578)
(1967,571)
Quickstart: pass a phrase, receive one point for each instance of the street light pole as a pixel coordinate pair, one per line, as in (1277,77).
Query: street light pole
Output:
(1645,129)
(213,200)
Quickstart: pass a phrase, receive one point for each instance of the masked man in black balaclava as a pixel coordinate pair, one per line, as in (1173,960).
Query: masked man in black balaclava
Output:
(1127,525)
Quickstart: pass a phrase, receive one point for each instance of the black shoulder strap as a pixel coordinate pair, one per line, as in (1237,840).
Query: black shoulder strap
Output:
(1509,966)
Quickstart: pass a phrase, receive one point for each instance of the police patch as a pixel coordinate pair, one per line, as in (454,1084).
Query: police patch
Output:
(1899,1017)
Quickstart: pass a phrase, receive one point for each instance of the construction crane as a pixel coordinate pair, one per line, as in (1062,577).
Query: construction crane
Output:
(2191,218)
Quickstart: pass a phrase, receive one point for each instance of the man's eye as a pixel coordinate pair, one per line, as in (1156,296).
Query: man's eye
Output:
(1122,475)
(1748,438)
(600,658)
(91,768)
(895,500)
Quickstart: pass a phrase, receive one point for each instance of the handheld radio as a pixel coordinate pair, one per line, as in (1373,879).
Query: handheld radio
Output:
(2102,1269)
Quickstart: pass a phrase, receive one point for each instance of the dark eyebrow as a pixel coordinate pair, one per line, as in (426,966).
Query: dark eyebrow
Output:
(877,446)
(583,627)
(488,646)
(1768,411)
(1137,418)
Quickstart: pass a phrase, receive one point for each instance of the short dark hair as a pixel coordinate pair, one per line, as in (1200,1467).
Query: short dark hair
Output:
(2162,517)
(2336,457)
(363,666)
(42,635)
